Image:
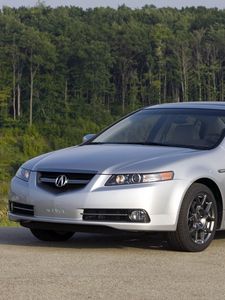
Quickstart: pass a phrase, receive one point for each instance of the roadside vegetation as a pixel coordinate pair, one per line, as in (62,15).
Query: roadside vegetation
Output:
(66,72)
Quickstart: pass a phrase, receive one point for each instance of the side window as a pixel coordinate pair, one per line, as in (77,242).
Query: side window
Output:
(214,127)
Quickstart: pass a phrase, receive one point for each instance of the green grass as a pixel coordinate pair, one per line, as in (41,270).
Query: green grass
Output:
(4,221)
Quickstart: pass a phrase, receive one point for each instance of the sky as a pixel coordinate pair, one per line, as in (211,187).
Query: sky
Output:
(115,3)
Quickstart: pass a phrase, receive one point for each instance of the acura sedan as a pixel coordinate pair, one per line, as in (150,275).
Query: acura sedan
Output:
(161,168)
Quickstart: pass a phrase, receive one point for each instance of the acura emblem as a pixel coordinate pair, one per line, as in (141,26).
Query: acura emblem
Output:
(61,181)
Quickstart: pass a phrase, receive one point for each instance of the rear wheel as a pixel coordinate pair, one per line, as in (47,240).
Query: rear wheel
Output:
(51,235)
(197,221)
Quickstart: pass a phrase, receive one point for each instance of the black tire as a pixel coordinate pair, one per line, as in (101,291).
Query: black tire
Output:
(197,220)
(51,235)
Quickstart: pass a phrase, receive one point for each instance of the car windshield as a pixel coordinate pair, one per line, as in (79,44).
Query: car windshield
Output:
(192,128)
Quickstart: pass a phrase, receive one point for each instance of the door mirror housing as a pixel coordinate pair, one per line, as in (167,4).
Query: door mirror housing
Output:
(87,137)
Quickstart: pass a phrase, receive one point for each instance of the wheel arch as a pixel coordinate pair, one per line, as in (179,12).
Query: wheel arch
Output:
(218,196)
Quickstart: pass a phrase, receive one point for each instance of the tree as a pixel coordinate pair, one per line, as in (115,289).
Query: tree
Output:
(40,55)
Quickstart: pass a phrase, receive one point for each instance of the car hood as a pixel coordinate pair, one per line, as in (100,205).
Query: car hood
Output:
(109,159)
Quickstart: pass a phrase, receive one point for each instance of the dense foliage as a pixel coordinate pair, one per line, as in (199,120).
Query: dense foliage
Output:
(65,72)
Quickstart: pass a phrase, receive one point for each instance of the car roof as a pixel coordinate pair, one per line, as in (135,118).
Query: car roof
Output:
(203,105)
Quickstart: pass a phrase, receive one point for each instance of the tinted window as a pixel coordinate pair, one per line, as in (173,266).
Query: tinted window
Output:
(193,128)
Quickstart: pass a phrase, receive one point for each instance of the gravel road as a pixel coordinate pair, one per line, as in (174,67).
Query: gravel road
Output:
(107,267)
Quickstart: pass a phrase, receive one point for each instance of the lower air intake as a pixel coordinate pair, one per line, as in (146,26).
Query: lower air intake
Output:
(114,215)
(21,209)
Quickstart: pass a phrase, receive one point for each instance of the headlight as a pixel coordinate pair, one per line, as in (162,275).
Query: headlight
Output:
(23,174)
(136,178)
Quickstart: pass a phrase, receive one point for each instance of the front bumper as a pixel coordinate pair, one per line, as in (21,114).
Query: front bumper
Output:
(160,200)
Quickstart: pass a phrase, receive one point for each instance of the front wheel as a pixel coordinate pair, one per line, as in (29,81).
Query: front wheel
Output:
(197,220)
(51,235)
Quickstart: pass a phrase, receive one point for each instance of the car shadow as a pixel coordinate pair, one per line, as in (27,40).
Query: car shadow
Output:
(155,241)
(23,237)
(220,235)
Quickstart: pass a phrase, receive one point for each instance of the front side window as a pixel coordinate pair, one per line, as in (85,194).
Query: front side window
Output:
(192,128)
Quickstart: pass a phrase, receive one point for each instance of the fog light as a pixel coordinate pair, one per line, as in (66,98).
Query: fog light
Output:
(139,215)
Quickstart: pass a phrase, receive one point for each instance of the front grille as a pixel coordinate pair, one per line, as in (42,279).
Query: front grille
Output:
(21,209)
(47,180)
(104,215)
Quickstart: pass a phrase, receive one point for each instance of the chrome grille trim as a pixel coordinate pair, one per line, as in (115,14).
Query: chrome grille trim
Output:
(70,181)
(75,180)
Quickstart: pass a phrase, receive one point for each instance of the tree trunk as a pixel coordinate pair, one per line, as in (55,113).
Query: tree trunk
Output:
(123,92)
(199,77)
(165,88)
(14,63)
(184,67)
(18,101)
(159,91)
(19,75)
(208,88)
(14,91)
(214,87)
(31,95)
(185,78)
(32,76)
(222,86)
(66,98)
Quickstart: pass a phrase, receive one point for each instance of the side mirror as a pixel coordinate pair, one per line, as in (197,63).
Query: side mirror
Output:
(87,137)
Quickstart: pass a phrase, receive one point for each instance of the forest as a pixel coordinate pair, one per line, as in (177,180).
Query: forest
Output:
(66,72)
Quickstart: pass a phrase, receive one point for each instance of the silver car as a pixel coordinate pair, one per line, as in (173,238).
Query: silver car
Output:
(161,168)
